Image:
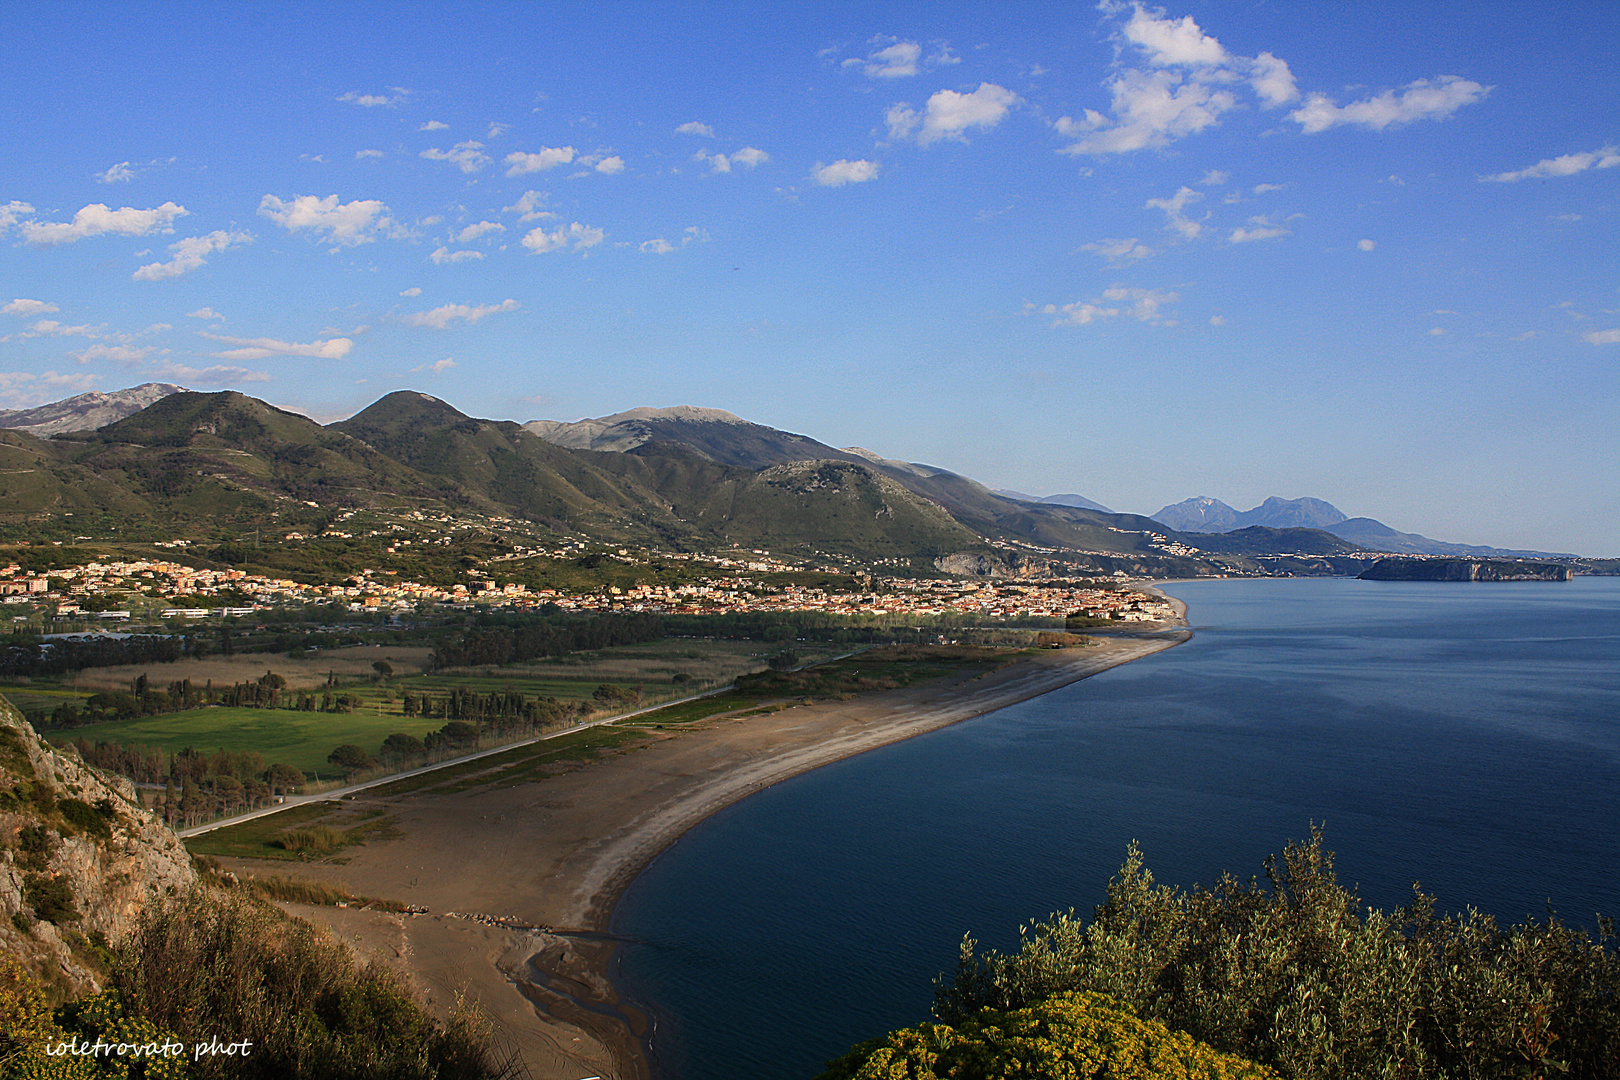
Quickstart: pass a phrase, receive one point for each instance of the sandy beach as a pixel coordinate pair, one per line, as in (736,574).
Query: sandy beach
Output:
(520,881)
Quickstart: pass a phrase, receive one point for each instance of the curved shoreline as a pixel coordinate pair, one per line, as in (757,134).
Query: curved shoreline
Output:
(523,880)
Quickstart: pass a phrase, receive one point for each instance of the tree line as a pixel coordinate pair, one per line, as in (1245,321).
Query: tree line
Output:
(519,642)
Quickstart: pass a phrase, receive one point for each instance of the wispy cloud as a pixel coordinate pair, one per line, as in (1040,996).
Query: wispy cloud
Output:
(191,253)
(1119,301)
(1424,99)
(843,172)
(260,348)
(469,156)
(217,374)
(695,127)
(530,206)
(444,255)
(440,318)
(1606,157)
(437,367)
(204,313)
(120,173)
(372,101)
(98,219)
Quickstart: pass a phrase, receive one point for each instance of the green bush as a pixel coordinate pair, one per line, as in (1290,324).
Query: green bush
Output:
(51,899)
(1298,978)
(85,818)
(1071,1035)
(310,840)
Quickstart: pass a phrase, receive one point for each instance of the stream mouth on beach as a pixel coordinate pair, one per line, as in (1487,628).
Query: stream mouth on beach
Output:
(1464,737)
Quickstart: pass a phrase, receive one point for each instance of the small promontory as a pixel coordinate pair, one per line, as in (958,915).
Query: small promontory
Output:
(1464,570)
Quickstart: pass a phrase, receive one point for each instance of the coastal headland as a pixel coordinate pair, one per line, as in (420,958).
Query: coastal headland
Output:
(519,873)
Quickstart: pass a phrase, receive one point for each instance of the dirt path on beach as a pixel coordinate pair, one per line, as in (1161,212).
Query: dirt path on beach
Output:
(556,853)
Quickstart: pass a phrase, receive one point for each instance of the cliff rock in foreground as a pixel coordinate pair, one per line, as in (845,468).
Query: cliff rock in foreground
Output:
(80,860)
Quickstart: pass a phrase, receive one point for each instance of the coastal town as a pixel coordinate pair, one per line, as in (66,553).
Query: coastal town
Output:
(147,591)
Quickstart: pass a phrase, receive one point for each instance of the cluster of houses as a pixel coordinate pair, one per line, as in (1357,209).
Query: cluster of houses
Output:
(83,592)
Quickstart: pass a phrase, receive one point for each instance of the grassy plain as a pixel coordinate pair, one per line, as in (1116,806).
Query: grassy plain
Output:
(304,739)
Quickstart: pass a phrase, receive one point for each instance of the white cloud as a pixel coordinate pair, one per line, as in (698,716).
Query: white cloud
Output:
(1119,251)
(23,389)
(466,156)
(1259,228)
(1437,332)
(1215,178)
(1217,320)
(547,158)
(20,306)
(436,367)
(948,114)
(354,97)
(360,155)
(694,127)
(204,313)
(217,374)
(191,253)
(414,290)
(97,219)
(748,157)
(122,354)
(610,166)
(344,225)
(1185,87)
(474,231)
(893,62)
(1602,337)
(1366,245)
(660,246)
(443,255)
(576,235)
(434,125)
(1173,207)
(1143,305)
(1603,158)
(120,173)
(497,130)
(1423,99)
(440,318)
(1169,42)
(260,348)
(11,211)
(843,172)
(529,206)
(1262,189)
(52,328)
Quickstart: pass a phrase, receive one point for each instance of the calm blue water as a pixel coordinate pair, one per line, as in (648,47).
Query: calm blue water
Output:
(1464,736)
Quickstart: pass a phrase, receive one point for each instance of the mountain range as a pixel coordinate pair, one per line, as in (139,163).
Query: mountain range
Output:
(680,478)
(1206,515)
(86,412)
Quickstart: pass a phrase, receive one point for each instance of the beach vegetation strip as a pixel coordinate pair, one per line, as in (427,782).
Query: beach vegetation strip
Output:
(311,832)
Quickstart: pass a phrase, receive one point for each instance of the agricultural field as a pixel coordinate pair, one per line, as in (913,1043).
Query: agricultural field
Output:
(304,739)
(305,673)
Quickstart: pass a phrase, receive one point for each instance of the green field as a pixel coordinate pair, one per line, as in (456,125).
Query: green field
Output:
(256,839)
(299,739)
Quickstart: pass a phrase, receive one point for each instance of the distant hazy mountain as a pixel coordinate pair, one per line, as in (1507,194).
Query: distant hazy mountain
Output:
(1200,515)
(1205,515)
(86,412)
(713,433)
(1055,500)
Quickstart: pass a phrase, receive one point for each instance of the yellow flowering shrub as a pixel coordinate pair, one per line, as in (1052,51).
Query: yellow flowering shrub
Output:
(1069,1036)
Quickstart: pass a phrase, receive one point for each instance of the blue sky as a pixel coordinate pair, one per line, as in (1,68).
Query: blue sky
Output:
(1364,252)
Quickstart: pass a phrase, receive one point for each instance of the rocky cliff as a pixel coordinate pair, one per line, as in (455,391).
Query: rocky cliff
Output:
(80,860)
(1463,570)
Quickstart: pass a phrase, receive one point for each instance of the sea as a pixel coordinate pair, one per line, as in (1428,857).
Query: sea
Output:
(1460,737)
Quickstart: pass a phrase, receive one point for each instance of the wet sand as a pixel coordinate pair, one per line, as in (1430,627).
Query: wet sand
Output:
(520,881)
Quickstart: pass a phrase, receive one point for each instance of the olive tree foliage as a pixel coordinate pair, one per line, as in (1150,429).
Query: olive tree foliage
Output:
(1295,974)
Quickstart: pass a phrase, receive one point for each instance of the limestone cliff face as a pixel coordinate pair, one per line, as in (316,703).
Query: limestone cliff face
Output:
(79,858)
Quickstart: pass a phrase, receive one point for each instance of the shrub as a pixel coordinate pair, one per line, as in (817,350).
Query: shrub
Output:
(51,899)
(1078,1035)
(1297,978)
(85,818)
(310,840)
